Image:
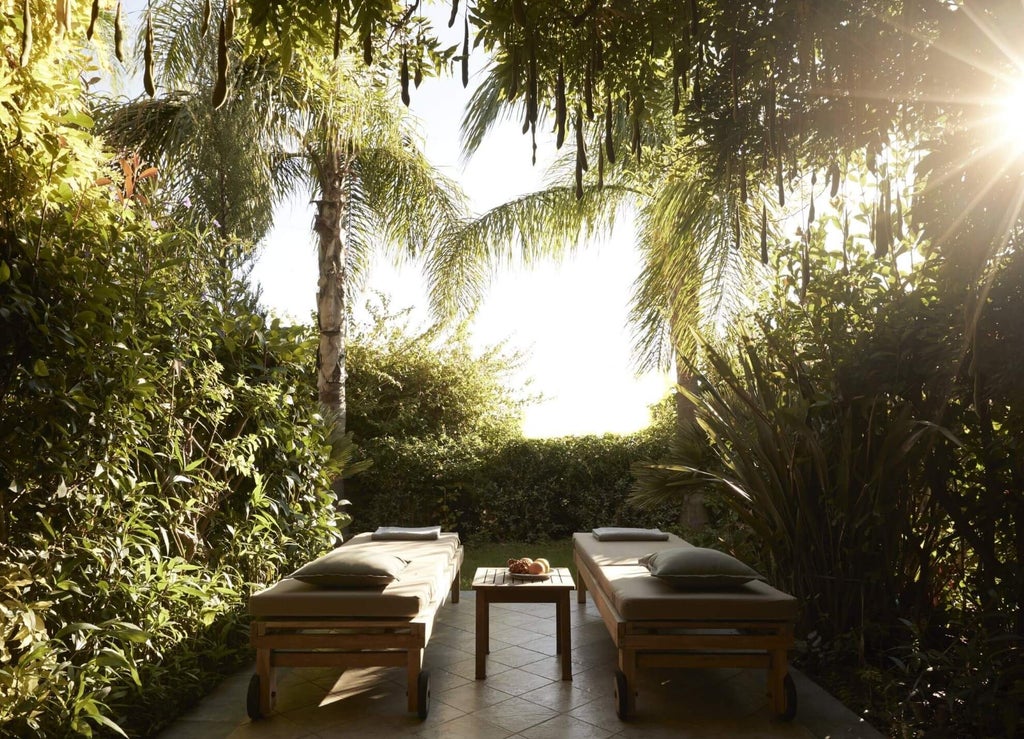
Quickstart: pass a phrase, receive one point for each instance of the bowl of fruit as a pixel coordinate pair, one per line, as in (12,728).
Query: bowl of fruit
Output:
(525,568)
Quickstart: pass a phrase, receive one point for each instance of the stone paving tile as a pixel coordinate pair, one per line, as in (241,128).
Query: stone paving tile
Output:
(523,695)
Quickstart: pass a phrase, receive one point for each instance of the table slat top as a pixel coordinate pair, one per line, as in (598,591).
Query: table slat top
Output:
(499,577)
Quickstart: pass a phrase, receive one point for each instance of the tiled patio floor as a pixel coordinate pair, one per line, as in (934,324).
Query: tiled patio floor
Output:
(523,695)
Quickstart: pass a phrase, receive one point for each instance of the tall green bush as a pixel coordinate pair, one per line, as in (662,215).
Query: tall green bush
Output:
(161,449)
(847,433)
(442,430)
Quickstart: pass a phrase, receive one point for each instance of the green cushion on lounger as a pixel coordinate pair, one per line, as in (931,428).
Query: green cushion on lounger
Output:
(351,568)
(698,568)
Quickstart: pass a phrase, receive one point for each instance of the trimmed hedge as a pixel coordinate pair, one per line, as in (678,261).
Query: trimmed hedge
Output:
(520,490)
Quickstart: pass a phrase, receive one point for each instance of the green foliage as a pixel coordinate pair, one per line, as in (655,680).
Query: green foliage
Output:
(443,433)
(163,452)
(868,443)
(406,382)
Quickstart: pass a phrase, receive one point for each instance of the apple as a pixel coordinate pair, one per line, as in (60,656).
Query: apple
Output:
(536,568)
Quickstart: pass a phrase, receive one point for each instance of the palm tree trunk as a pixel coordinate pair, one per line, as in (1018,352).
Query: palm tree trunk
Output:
(331,228)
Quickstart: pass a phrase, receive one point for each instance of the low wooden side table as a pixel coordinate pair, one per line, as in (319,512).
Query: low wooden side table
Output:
(496,585)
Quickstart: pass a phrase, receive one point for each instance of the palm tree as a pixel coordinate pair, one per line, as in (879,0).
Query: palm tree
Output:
(328,126)
(694,232)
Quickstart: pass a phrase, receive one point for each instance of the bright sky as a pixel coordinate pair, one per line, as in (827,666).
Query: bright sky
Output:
(569,318)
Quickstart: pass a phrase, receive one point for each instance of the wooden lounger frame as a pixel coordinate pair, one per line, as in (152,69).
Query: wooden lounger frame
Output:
(345,642)
(686,642)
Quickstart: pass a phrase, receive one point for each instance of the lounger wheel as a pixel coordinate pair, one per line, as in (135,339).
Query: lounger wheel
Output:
(789,693)
(423,694)
(252,699)
(621,695)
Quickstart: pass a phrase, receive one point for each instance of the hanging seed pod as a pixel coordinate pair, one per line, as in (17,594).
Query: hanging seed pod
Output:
(367,45)
(834,175)
(579,177)
(229,20)
(465,53)
(735,89)
(600,168)
(810,212)
(698,95)
(588,89)
(455,12)
(609,139)
(93,15)
(743,179)
(147,76)
(26,33)
(764,234)
(513,87)
(779,181)
(337,32)
(560,107)
(581,146)
(533,137)
(694,18)
(418,75)
(526,119)
(737,231)
(872,160)
(118,35)
(404,77)
(220,87)
(204,25)
(531,95)
(635,124)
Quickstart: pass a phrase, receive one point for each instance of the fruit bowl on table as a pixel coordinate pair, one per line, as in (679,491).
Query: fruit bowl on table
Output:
(525,568)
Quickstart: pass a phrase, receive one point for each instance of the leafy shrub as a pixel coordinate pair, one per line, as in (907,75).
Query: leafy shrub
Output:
(443,433)
(870,463)
(162,450)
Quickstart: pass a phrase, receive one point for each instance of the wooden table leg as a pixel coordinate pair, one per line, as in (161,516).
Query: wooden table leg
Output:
(563,639)
(482,635)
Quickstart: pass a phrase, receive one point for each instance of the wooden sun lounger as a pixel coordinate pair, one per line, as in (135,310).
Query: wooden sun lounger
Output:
(300,625)
(655,625)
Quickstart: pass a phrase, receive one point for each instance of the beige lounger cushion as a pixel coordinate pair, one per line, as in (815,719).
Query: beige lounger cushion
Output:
(427,578)
(639,596)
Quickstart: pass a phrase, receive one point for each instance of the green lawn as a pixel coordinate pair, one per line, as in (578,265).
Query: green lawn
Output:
(491,554)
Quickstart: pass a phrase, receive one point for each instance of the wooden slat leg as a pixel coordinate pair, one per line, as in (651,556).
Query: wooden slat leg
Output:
(268,681)
(415,663)
(482,635)
(627,664)
(564,635)
(776,676)
(581,586)
(455,585)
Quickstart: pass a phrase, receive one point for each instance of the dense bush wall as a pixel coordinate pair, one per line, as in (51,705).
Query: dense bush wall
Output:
(521,490)
(163,455)
(161,451)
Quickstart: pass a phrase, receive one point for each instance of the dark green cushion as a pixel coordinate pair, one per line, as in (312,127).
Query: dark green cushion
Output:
(697,568)
(351,568)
